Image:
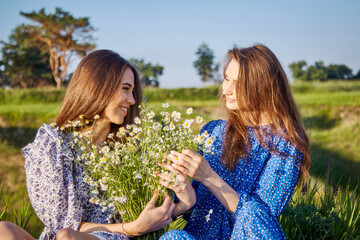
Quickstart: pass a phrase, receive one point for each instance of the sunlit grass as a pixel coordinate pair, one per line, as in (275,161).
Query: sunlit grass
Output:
(328,98)
(331,112)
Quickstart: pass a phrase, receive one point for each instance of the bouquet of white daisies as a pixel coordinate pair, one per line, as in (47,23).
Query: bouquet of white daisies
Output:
(121,171)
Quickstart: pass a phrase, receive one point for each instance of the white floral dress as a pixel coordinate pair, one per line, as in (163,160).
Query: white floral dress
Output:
(56,188)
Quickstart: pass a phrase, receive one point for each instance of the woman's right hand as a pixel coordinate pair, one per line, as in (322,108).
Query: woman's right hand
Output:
(152,218)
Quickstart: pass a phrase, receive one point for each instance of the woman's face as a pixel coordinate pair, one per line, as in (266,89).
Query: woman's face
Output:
(229,85)
(123,98)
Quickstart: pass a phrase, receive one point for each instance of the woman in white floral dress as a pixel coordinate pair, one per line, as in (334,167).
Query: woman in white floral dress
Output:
(103,84)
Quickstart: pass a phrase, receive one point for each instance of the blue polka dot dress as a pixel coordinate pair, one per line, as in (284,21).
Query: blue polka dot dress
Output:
(264,183)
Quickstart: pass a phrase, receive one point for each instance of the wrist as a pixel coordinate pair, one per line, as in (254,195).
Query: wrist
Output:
(131,229)
(179,209)
(210,178)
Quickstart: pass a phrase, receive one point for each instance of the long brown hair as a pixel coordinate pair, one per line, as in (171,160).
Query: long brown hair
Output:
(92,86)
(262,90)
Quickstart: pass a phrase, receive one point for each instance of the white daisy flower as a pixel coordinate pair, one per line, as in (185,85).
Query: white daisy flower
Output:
(103,160)
(95,192)
(105,149)
(165,105)
(105,180)
(137,120)
(138,176)
(187,123)
(121,199)
(189,111)
(198,119)
(150,115)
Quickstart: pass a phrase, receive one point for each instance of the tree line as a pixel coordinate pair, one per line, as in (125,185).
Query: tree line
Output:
(39,54)
(301,71)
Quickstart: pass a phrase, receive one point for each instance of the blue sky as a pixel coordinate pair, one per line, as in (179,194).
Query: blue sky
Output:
(169,32)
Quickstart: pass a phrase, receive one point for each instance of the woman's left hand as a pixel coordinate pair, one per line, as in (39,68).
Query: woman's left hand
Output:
(180,184)
(192,164)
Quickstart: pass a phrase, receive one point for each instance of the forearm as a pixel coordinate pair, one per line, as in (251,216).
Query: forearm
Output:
(222,191)
(129,228)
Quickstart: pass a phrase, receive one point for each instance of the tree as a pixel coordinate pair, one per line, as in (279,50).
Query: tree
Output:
(149,73)
(332,71)
(23,65)
(357,76)
(319,71)
(315,73)
(345,72)
(218,75)
(205,62)
(338,72)
(298,71)
(4,81)
(63,35)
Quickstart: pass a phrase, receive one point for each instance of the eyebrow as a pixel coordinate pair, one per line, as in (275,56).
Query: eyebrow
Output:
(128,84)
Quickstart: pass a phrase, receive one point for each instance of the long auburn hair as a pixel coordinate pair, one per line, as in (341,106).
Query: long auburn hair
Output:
(262,89)
(92,86)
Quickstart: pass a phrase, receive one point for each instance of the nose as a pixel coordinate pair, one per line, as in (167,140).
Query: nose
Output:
(131,99)
(227,88)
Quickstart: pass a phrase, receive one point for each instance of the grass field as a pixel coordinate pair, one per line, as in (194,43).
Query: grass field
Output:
(330,110)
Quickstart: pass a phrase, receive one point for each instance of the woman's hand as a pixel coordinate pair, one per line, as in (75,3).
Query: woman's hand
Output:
(152,218)
(180,184)
(192,164)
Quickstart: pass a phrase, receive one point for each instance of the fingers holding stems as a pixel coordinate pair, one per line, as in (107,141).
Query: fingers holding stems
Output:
(160,216)
(174,179)
(191,163)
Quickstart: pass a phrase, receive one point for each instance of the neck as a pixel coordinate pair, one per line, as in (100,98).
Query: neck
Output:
(101,131)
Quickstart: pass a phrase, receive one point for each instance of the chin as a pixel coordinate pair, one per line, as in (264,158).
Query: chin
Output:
(232,107)
(118,121)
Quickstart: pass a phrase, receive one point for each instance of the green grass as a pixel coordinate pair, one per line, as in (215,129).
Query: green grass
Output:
(330,110)
(328,86)
(318,211)
(28,115)
(328,98)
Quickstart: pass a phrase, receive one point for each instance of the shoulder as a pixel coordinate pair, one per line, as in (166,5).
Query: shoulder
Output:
(45,135)
(49,143)
(213,125)
(286,148)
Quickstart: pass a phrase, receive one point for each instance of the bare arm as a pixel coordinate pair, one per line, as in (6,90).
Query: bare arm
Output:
(222,191)
(151,219)
(194,165)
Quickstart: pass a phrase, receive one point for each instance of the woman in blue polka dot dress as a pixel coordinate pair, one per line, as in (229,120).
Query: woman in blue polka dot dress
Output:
(259,155)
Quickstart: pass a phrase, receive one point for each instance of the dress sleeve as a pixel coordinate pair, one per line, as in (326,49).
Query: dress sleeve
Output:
(49,167)
(276,181)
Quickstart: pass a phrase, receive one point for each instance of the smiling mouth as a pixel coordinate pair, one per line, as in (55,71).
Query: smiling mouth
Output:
(230,100)
(124,109)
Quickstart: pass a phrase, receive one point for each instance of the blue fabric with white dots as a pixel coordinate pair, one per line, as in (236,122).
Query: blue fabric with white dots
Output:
(264,182)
